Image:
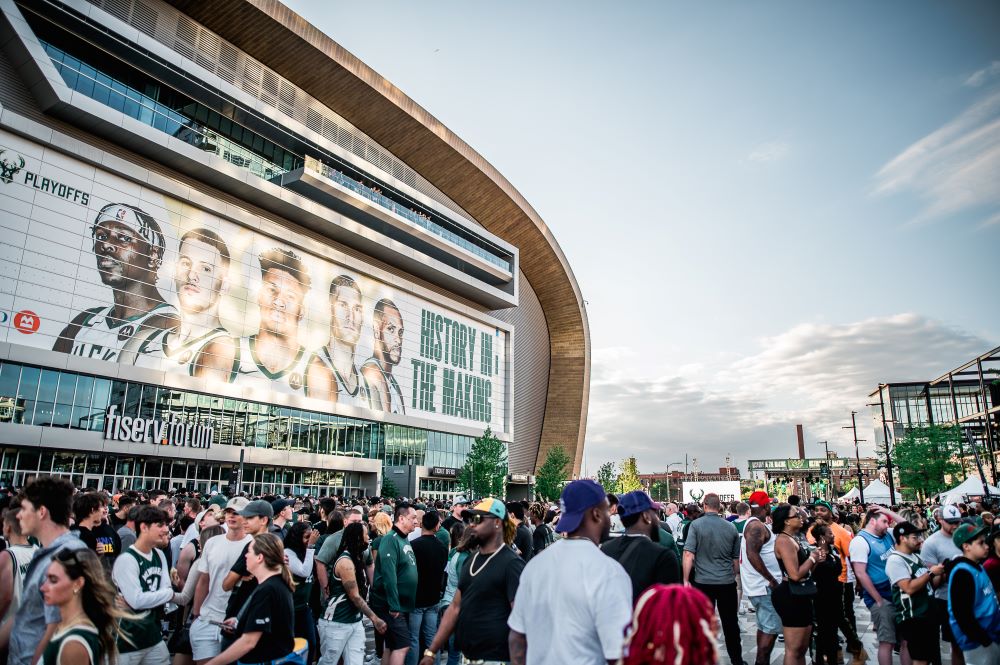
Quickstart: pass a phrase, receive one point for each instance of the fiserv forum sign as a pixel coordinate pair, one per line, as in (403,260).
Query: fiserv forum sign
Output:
(126,275)
(171,430)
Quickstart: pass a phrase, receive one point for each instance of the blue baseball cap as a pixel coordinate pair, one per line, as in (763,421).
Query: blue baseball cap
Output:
(634,503)
(578,497)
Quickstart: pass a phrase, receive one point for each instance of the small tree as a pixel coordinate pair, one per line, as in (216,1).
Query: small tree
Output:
(925,456)
(389,488)
(553,473)
(606,476)
(660,490)
(485,470)
(628,479)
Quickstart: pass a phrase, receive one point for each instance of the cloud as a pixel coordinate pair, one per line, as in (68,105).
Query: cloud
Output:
(771,151)
(954,169)
(814,374)
(980,77)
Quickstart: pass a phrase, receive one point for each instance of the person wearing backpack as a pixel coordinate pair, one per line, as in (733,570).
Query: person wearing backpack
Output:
(645,561)
(543,535)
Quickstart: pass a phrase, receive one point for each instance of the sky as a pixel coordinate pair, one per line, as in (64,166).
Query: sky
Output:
(769,207)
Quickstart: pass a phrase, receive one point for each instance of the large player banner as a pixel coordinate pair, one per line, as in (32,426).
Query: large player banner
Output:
(101,267)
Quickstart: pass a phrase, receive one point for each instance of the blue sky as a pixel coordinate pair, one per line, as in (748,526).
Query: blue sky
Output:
(769,207)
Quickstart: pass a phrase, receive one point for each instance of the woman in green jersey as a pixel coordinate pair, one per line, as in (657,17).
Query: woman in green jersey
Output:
(77,584)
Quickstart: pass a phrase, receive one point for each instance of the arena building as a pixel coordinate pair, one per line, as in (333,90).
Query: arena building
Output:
(229,244)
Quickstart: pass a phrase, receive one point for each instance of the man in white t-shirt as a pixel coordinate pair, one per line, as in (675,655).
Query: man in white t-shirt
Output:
(214,564)
(573,602)
(673,519)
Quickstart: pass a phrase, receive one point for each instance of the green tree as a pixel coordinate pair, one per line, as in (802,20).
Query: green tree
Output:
(553,473)
(485,470)
(925,456)
(659,490)
(389,487)
(606,476)
(628,478)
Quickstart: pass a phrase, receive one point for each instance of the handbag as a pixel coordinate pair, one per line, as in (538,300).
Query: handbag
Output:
(806,587)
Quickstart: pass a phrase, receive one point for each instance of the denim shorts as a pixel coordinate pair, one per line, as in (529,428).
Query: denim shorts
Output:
(768,621)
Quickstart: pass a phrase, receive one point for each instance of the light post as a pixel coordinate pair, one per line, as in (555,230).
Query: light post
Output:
(857,456)
(826,445)
(669,499)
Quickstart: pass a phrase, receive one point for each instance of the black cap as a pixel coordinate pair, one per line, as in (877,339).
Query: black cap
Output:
(905,529)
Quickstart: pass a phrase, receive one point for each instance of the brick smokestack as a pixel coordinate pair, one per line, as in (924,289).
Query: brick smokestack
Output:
(802,441)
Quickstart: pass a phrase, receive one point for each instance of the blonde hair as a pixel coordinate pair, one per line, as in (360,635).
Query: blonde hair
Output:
(382,523)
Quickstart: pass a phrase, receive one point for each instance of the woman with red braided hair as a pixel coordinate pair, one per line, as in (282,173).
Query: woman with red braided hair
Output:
(672,624)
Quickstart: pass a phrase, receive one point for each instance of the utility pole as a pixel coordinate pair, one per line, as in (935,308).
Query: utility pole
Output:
(857,457)
(829,478)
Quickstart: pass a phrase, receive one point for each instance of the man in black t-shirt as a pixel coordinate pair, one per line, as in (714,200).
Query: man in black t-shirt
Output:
(258,516)
(457,506)
(432,556)
(645,561)
(486,589)
(90,510)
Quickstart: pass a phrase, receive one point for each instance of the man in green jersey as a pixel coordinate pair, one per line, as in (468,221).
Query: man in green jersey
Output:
(909,579)
(143,579)
(394,590)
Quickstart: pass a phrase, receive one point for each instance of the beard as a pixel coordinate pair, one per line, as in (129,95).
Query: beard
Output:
(475,540)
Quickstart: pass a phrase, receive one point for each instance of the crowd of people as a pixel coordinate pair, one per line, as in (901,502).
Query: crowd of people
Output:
(150,578)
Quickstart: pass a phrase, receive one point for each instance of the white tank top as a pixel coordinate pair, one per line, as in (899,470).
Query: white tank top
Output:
(755,584)
(102,336)
(290,380)
(21,555)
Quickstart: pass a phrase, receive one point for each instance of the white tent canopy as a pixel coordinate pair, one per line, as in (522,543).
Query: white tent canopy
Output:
(851,496)
(878,492)
(973,485)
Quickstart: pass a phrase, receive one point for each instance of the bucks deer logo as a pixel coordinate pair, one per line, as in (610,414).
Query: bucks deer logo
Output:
(9,167)
(696,495)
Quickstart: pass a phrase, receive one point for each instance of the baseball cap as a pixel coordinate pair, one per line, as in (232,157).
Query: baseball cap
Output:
(460,501)
(258,508)
(951,514)
(237,503)
(966,533)
(826,504)
(492,507)
(577,497)
(633,503)
(280,504)
(759,499)
(903,529)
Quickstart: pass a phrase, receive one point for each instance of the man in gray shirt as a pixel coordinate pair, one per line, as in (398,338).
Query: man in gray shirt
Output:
(939,548)
(44,514)
(712,553)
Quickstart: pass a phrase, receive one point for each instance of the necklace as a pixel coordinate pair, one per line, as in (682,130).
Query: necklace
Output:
(73,620)
(475,556)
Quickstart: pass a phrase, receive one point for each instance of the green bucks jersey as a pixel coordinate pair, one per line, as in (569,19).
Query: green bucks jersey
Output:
(916,605)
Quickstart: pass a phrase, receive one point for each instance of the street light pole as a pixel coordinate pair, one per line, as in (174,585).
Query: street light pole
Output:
(826,446)
(857,456)
(669,499)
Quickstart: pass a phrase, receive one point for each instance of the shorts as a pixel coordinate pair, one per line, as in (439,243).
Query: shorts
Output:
(768,621)
(921,638)
(942,619)
(154,655)
(397,634)
(206,639)
(795,611)
(884,619)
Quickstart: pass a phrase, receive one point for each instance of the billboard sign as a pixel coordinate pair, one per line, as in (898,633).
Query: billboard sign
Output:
(695,490)
(98,266)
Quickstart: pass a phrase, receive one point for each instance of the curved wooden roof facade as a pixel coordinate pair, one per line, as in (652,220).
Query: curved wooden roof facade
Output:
(286,42)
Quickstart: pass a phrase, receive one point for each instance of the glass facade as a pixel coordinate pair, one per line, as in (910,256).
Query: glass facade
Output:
(438,488)
(51,398)
(126,89)
(123,472)
(922,405)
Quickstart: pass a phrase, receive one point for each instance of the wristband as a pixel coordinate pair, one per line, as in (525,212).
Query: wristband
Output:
(429,654)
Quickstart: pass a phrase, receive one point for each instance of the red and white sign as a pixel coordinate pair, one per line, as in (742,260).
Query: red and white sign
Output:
(26,321)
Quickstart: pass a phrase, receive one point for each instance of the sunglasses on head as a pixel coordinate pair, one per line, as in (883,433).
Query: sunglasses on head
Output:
(68,557)
(477,519)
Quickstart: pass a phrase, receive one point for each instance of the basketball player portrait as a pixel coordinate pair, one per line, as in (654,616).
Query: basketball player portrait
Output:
(200,344)
(346,318)
(275,352)
(128,246)
(383,389)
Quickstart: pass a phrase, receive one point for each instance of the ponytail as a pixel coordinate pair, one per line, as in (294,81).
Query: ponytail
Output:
(270,547)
